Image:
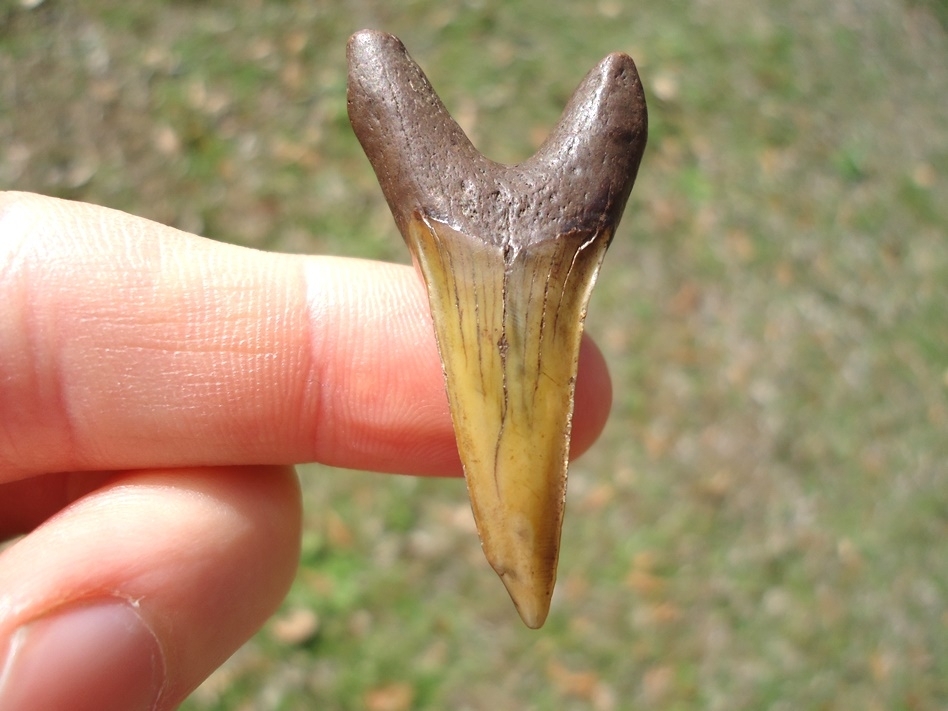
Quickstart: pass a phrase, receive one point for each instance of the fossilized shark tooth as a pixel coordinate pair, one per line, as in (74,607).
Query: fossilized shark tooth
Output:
(509,255)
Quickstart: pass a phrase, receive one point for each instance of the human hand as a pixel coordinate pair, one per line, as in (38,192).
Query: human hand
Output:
(155,390)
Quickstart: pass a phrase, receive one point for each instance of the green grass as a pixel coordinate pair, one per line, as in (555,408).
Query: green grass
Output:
(763,524)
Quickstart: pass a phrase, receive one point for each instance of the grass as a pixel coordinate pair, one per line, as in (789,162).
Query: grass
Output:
(762,525)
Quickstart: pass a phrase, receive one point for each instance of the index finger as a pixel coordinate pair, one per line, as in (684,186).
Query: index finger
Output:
(129,344)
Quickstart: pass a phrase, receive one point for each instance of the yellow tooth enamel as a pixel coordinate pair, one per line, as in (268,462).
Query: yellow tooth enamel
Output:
(508,328)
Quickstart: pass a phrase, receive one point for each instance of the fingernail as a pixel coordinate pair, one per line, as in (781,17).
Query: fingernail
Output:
(94,657)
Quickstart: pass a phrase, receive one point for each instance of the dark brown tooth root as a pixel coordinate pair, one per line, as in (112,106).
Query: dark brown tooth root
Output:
(509,255)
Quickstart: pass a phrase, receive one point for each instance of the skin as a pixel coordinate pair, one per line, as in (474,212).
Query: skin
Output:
(155,390)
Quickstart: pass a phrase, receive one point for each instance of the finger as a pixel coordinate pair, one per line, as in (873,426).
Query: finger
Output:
(144,586)
(25,503)
(128,344)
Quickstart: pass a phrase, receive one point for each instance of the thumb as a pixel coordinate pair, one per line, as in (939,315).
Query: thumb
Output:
(132,595)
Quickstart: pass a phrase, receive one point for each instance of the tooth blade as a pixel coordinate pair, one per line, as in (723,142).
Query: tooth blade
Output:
(509,324)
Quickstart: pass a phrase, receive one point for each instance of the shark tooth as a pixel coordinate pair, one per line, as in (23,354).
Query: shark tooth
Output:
(509,255)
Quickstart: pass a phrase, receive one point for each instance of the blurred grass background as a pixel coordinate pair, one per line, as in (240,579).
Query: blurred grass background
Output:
(763,524)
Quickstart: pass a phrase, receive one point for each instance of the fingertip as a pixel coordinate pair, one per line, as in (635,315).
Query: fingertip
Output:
(593,398)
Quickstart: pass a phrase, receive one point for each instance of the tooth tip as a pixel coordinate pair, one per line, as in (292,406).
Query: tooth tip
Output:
(532,616)
(530,596)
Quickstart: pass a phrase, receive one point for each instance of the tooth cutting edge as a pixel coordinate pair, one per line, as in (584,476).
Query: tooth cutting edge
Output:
(509,256)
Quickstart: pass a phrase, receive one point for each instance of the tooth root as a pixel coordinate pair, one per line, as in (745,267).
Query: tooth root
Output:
(509,255)
(508,325)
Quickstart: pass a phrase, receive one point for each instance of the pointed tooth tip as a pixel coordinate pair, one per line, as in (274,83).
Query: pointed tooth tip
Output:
(533,618)
(533,604)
